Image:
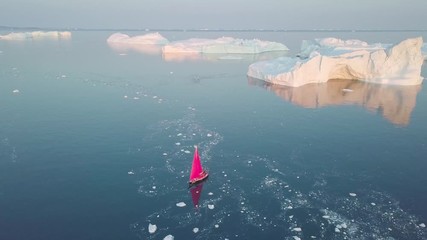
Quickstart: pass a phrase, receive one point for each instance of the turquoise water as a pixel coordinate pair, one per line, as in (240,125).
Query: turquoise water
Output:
(98,143)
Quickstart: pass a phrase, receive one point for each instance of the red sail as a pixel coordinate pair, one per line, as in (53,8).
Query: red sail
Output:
(196,168)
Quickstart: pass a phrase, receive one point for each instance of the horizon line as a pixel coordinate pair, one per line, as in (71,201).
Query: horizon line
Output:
(3,28)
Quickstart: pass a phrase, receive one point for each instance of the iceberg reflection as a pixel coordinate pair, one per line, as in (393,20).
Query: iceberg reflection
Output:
(395,103)
(149,49)
(212,57)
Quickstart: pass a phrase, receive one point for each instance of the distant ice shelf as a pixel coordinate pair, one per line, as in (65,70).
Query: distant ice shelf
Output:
(224,48)
(331,58)
(19,36)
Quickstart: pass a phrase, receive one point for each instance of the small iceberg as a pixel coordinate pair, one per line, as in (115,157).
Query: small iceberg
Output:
(352,194)
(181,204)
(36,35)
(169,237)
(152,228)
(211,206)
(195,230)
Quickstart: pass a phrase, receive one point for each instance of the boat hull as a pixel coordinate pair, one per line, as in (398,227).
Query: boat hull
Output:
(200,179)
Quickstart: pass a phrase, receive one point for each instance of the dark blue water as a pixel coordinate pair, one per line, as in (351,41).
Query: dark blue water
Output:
(98,142)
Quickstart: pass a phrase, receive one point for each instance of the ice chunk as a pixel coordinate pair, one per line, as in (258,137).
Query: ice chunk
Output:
(216,226)
(150,38)
(222,45)
(210,193)
(296,238)
(195,230)
(399,64)
(150,43)
(152,228)
(422,225)
(211,206)
(131,173)
(181,204)
(15,91)
(297,229)
(35,35)
(169,237)
(352,194)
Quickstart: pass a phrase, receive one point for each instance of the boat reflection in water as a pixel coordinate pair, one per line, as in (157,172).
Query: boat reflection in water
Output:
(395,103)
(196,191)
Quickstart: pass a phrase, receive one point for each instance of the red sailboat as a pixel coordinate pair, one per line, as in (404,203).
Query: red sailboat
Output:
(197,173)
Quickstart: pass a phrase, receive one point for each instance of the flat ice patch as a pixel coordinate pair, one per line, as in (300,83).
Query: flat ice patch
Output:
(352,194)
(297,229)
(152,228)
(181,204)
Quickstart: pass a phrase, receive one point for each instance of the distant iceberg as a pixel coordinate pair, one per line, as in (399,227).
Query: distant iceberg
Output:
(19,36)
(148,39)
(398,64)
(223,45)
(150,43)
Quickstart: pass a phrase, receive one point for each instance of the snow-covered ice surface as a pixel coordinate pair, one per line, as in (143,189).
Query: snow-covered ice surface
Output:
(399,64)
(19,36)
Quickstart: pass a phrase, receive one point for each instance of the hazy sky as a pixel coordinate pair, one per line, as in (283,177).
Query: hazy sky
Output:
(228,14)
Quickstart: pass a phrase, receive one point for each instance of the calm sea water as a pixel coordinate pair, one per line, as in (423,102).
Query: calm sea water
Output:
(98,143)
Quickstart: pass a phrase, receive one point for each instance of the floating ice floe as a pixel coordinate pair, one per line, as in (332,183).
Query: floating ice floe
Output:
(296,238)
(352,194)
(181,204)
(131,173)
(210,193)
(152,228)
(399,64)
(148,39)
(169,237)
(211,206)
(18,36)
(422,225)
(15,91)
(297,229)
(195,230)
(150,43)
(222,45)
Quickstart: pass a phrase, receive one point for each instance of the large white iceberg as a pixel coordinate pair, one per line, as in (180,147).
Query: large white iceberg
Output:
(17,36)
(398,64)
(223,45)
